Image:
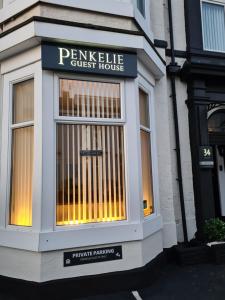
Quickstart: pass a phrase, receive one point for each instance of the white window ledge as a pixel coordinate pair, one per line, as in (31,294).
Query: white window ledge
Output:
(82,236)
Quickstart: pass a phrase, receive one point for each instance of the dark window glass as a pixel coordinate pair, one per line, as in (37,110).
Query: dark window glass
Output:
(216,122)
(141,6)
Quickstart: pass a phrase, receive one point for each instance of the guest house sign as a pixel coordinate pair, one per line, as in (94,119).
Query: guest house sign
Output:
(88,60)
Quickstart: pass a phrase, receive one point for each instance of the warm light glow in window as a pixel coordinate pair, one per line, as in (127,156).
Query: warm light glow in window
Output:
(90,158)
(22,154)
(145,132)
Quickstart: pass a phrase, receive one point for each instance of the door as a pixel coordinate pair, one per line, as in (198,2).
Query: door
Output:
(220,153)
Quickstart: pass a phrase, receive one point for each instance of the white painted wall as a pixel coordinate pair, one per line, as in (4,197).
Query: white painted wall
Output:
(178,23)
(160,25)
(186,161)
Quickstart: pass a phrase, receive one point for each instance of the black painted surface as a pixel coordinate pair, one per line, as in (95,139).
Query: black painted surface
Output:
(90,256)
(77,59)
(193,25)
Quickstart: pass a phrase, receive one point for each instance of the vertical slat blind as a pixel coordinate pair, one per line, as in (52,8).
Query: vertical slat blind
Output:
(22,154)
(147,187)
(146,172)
(213,20)
(89,99)
(90,158)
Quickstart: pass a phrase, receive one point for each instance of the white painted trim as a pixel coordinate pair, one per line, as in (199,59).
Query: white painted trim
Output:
(128,9)
(112,7)
(19,239)
(212,111)
(67,120)
(148,89)
(31,71)
(27,36)
(91,236)
(97,78)
(143,21)
(43,208)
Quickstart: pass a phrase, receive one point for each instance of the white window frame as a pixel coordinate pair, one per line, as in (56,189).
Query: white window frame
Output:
(146,87)
(135,227)
(144,12)
(92,121)
(14,77)
(143,21)
(203,40)
(44,235)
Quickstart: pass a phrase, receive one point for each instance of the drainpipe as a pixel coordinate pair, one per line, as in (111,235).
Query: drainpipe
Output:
(173,70)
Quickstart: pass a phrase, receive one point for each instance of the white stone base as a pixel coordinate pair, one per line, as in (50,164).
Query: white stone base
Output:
(46,266)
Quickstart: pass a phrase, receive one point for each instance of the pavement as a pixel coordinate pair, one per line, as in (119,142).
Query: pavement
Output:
(200,282)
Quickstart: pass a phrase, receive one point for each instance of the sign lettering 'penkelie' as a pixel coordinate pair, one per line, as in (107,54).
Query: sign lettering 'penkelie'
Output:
(90,256)
(88,60)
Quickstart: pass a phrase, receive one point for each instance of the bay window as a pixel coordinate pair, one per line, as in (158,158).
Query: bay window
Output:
(22,131)
(90,153)
(213,26)
(145,132)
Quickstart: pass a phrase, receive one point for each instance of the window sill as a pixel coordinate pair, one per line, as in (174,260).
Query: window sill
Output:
(79,237)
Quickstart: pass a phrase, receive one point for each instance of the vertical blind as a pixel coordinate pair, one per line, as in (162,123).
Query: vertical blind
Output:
(22,154)
(90,158)
(213,21)
(147,188)
(89,99)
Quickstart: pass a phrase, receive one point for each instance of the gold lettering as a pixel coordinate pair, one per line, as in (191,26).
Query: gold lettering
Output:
(83,55)
(101,57)
(120,59)
(107,59)
(63,53)
(74,54)
(92,54)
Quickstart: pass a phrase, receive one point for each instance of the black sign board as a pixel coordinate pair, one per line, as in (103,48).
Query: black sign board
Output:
(206,157)
(91,152)
(72,58)
(90,256)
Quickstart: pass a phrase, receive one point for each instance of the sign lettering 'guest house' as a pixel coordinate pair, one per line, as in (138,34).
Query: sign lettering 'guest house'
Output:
(79,161)
(88,171)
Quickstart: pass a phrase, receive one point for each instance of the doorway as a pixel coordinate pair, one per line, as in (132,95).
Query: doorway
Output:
(216,129)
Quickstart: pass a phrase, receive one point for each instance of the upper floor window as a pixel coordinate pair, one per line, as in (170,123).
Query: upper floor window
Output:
(213,26)
(141,6)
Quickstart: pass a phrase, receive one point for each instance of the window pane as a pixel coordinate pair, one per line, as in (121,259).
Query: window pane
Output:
(146,172)
(90,174)
(23,101)
(141,6)
(216,122)
(213,26)
(89,99)
(22,174)
(144,109)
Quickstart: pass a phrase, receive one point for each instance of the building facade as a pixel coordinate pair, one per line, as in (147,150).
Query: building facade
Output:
(108,125)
